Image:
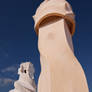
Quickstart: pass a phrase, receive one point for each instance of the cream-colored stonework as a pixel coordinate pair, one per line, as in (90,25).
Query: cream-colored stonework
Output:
(60,70)
(26,81)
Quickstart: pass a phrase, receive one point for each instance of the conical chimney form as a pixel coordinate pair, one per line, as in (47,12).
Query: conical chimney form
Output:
(60,69)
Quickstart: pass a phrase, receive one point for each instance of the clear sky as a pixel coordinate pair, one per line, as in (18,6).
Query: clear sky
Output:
(18,41)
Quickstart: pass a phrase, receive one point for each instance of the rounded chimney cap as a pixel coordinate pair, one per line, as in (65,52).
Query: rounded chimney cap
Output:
(60,8)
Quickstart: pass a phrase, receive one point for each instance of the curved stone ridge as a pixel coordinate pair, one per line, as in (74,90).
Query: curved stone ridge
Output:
(26,81)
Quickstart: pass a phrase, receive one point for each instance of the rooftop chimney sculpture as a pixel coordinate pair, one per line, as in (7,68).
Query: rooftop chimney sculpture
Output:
(60,70)
(26,81)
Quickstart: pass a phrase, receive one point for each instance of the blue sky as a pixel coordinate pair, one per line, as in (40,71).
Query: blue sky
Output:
(18,41)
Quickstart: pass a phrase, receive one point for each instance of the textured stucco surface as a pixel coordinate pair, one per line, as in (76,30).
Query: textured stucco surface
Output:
(26,82)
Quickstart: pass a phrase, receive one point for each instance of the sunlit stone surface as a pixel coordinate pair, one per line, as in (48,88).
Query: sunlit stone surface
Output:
(26,81)
(60,70)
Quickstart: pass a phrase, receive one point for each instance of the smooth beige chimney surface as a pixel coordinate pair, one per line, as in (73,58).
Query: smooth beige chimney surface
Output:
(60,70)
